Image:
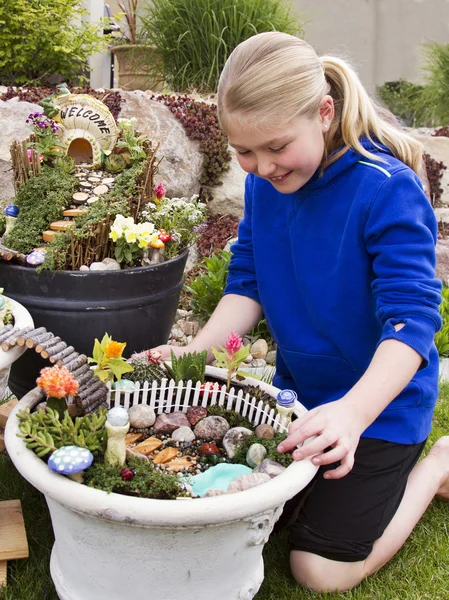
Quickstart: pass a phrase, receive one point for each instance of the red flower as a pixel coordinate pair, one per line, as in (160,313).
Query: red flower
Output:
(160,191)
(233,343)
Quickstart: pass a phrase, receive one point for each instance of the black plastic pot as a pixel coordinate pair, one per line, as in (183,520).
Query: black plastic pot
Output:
(136,306)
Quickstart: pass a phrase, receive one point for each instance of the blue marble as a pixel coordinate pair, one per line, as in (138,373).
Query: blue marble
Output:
(12,210)
(217,478)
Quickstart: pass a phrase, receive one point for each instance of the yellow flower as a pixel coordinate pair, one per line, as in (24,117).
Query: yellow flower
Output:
(114,349)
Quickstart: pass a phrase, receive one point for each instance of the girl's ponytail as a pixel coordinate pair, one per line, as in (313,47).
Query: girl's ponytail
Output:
(356,115)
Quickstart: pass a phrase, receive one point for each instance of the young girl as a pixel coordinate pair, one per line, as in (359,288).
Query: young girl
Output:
(337,250)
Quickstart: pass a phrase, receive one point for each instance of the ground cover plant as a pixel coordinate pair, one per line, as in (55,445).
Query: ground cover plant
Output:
(418,572)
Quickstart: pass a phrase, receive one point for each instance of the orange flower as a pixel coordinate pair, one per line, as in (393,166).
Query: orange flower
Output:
(114,349)
(57,382)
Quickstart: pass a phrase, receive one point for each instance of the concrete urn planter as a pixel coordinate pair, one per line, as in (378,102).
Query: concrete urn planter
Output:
(444,369)
(111,546)
(22,319)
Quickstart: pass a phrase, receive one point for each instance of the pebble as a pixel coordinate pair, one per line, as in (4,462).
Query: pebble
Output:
(264,432)
(259,349)
(245,482)
(233,438)
(195,414)
(271,357)
(183,434)
(167,423)
(141,416)
(255,455)
(212,428)
(270,467)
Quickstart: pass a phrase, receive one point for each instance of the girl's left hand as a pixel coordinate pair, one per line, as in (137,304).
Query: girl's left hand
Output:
(337,424)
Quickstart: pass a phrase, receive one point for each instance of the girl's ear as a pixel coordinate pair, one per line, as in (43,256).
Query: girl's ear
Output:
(327,111)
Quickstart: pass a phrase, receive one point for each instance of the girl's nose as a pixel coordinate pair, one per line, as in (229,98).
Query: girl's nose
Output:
(265,168)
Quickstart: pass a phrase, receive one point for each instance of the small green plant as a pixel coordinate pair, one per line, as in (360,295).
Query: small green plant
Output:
(234,418)
(271,446)
(44,432)
(6,316)
(402,99)
(130,143)
(192,39)
(46,133)
(144,370)
(433,99)
(41,200)
(207,288)
(442,336)
(189,366)
(148,482)
(45,38)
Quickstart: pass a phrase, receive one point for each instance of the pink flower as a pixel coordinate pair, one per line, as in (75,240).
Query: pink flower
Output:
(30,155)
(160,191)
(233,343)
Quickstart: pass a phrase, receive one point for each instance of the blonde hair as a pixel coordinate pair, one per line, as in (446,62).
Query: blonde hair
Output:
(273,77)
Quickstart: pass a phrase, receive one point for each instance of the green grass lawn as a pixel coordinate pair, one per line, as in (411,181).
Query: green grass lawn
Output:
(420,571)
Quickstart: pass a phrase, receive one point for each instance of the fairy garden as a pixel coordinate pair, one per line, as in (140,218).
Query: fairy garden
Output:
(87,196)
(168,429)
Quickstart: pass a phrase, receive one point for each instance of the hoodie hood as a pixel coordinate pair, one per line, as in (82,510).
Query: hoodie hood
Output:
(351,157)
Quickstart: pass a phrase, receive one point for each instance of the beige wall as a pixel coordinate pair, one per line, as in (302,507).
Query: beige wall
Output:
(381,37)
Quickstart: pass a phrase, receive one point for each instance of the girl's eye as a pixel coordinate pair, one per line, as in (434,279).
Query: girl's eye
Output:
(243,153)
(278,149)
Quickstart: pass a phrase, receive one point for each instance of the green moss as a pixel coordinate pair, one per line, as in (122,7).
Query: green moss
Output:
(41,201)
(148,481)
(232,417)
(270,445)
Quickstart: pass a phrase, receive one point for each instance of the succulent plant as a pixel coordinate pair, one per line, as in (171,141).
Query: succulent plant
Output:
(115,163)
(189,366)
(145,370)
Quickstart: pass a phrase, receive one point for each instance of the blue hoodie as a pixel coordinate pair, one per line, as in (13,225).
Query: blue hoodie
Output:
(335,266)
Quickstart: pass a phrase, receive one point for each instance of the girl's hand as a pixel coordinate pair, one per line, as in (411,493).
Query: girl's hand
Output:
(337,425)
(165,351)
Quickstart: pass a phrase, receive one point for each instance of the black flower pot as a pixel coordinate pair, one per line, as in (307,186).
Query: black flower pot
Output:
(136,306)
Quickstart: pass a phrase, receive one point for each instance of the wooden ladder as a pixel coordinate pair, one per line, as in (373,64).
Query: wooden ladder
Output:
(13,539)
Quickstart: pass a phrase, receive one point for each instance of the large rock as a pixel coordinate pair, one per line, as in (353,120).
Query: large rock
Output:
(228,198)
(438,148)
(443,260)
(180,169)
(13,115)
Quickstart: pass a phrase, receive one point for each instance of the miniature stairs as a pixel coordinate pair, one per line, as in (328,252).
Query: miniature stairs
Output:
(63,225)
(13,539)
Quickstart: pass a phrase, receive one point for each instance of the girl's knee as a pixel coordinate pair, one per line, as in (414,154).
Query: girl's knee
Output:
(324,575)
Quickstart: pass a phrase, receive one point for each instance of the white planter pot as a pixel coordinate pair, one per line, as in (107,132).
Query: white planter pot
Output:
(22,318)
(444,369)
(111,547)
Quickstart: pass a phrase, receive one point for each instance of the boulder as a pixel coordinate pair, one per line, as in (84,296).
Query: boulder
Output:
(442,252)
(438,148)
(13,115)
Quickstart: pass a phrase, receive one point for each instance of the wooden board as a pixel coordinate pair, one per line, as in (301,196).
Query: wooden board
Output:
(48,235)
(2,442)
(3,566)
(5,411)
(74,212)
(13,539)
(61,225)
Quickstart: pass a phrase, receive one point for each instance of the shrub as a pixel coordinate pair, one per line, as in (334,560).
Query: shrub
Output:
(401,98)
(432,102)
(45,38)
(442,336)
(193,38)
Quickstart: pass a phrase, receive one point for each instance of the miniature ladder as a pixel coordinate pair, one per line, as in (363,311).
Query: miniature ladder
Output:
(13,539)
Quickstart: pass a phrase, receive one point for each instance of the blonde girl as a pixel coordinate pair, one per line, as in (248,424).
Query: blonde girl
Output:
(337,249)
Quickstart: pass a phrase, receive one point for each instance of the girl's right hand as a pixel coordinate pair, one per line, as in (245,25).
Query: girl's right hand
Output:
(165,351)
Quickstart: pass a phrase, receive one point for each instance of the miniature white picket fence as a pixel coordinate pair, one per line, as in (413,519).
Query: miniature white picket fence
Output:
(168,396)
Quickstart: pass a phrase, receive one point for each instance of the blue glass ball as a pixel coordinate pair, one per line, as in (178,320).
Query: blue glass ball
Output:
(12,210)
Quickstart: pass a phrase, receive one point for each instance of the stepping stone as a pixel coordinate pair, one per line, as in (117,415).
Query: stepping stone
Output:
(61,225)
(80,197)
(94,179)
(49,235)
(74,212)
(13,539)
(109,180)
(85,184)
(132,438)
(181,463)
(100,189)
(165,456)
(92,200)
(148,446)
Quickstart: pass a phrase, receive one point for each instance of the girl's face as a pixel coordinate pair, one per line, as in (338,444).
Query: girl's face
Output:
(287,156)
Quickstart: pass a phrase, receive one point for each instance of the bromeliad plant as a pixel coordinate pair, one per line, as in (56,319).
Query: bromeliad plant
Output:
(231,356)
(57,383)
(107,356)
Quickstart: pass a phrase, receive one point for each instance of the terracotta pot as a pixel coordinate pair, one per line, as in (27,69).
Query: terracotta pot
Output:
(133,63)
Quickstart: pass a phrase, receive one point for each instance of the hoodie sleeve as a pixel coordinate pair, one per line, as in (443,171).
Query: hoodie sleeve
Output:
(242,272)
(400,236)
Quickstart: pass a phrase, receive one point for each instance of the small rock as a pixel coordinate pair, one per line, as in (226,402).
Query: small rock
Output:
(183,434)
(167,423)
(257,363)
(208,448)
(271,357)
(98,266)
(212,428)
(264,432)
(211,493)
(195,414)
(84,268)
(248,359)
(245,482)
(181,314)
(189,327)
(259,349)
(270,467)
(112,264)
(233,438)
(255,455)
(177,333)
(141,416)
